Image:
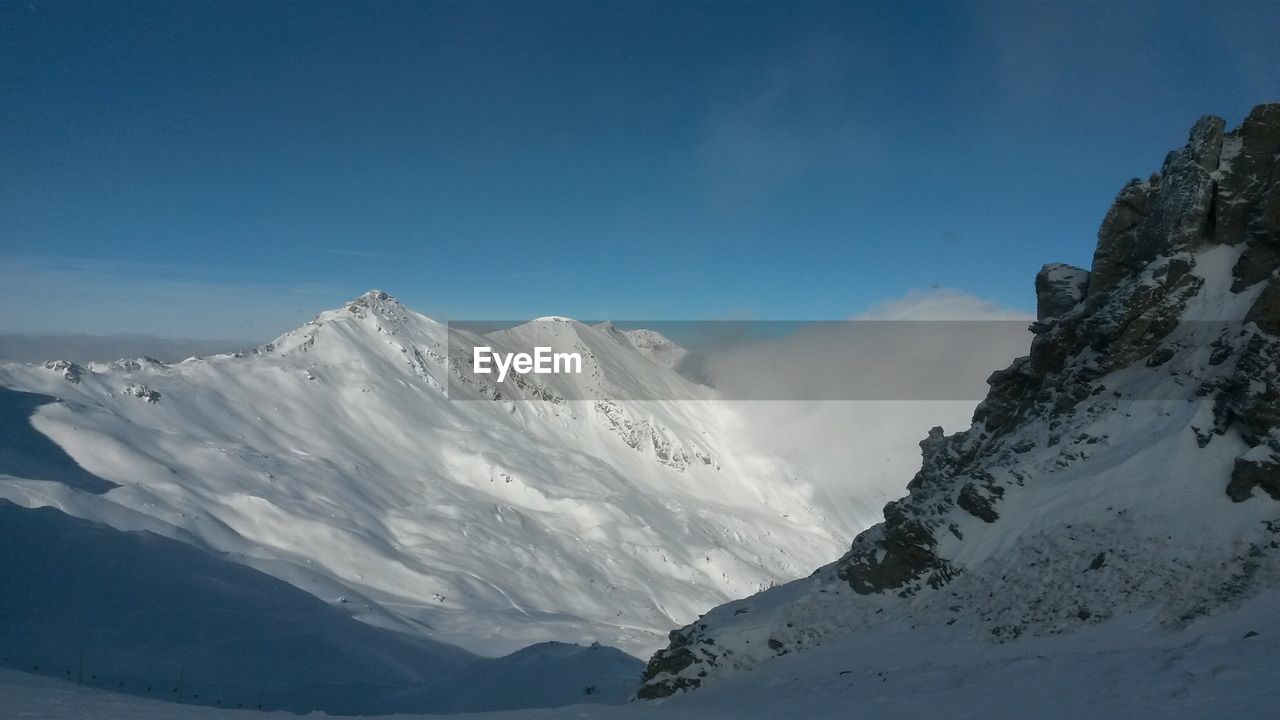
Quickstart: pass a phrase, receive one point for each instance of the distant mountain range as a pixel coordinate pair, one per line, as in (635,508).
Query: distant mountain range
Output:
(83,349)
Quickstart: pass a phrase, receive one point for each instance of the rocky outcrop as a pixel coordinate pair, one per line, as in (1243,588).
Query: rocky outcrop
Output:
(1090,324)
(1147,312)
(142,392)
(1248,190)
(1252,473)
(1265,313)
(1172,211)
(70,371)
(1059,288)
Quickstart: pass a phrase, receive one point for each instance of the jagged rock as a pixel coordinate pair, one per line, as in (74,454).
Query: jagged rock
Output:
(1006,401)
(1266,310)
(1265,225)
(142,392)
(71,372)
(972,501)
(1169,212)
(1248,167)
(1059,288)
(1254,266)
(1250,399)
(935,453)
(1184,211)
(1249,208)
(1113,257)
(1249,474)
(889,562)
(670,661)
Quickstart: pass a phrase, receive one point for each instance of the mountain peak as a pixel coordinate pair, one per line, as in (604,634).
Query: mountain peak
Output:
(381,307)
(374,298)
(376,313)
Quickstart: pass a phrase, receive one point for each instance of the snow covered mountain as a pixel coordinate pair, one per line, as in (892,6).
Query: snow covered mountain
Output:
(1121,481)
(355,459)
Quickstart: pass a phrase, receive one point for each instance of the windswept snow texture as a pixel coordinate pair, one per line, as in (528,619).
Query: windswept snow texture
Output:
(1222,667)
(332,458)
(27,453)
(142,614)
(148,613)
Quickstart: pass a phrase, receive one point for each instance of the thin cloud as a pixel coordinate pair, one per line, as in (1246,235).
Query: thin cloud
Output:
(799,111)
(847,403)
(355,253)
(941,304)
(89,296)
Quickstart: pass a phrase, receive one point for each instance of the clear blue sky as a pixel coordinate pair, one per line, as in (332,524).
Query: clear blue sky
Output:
(229,169)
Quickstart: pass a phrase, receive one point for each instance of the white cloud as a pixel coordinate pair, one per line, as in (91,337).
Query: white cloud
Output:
(941,304)
(847,403)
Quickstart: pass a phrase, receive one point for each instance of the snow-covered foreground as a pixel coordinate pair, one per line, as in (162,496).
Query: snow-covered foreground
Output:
(159,618)
(1126,668)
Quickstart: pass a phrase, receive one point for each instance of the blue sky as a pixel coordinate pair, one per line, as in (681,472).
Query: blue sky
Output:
(223,169)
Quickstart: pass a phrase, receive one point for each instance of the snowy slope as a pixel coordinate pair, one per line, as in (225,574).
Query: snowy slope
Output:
(1222,667)
(143,614)
(334,459)
(1128,467)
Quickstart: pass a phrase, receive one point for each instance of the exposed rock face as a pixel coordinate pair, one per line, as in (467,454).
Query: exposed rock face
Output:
(1248,189)
(1182,302)
(1250,473)
(1171,211)
(1059,288)
(1266,311)
(671,661)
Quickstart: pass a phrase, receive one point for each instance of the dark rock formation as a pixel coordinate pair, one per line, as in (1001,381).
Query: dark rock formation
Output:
(979,504)
(1059,288)
(1172,211)
(1250,474)
(1248,189)
(1266,311)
